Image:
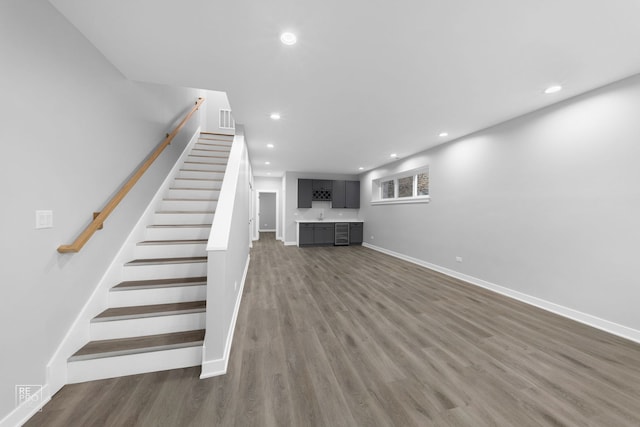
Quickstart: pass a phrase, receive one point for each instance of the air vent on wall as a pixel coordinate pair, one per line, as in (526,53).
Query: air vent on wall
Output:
(226,120)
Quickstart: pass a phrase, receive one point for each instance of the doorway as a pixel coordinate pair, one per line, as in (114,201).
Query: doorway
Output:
(267,210)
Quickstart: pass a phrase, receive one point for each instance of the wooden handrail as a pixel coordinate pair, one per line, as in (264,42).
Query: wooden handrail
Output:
(111,205)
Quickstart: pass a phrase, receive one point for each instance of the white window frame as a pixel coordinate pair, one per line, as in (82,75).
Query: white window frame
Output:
(376,193)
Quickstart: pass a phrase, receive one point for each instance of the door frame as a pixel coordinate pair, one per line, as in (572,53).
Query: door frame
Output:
(256,231)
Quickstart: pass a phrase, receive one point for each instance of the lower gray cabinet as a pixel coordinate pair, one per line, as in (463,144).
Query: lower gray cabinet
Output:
(355,233)
(306,234)
(323,234)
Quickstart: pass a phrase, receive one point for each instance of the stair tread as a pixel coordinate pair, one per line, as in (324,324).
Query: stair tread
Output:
(135,284)
(185,212)
(200,170)
(171,242)
(195,188)
(210,150)
(206,163)
(151,310)
(191,200)
(207,157)
(200,179)
(179,226)
(230,135)
(123,346)
(212,144)
(153,261)
(210,138)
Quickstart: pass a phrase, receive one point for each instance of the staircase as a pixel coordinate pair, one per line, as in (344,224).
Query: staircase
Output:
(156,315)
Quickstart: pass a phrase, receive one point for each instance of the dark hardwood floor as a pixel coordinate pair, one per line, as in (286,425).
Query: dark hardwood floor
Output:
(345,336)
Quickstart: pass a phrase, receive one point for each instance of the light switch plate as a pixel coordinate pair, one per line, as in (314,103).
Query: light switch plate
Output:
(44,219)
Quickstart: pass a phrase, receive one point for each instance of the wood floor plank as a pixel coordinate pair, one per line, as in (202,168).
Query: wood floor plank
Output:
(346,336)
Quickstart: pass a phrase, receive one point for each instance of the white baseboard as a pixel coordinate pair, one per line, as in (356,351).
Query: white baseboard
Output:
(578,316)
(267,231)
(26,410)
(213,368)
(291,243)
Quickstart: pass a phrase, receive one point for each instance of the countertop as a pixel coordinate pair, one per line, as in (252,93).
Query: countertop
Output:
(327,220)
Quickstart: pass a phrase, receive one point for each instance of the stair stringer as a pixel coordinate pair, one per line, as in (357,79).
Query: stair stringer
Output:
(79,332)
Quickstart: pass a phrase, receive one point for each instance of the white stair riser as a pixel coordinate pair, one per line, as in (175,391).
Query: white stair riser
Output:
(177,233)
(164,271)
(225,143)
(182,193)
(133,297)
(170,251)
(199,174)
(112,367)
(183,218)
(146,326)
(216,139)
(211,150)
(188,205)
(204,150)
(209,157)
(204,167)
(197,183)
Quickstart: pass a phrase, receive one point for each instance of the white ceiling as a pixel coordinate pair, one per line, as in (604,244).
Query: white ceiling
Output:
(367,77)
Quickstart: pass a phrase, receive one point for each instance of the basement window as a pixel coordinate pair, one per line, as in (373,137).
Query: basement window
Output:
(387,189)
(405,187)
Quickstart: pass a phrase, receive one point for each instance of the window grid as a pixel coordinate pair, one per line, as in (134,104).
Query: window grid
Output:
(410,186)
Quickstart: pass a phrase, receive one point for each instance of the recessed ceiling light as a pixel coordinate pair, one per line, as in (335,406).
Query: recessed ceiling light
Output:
(268,173)
(275,116)
(360,168)
(394,155)
(288,38)
(267,163)
(443,134)
(553,89)
(269,145)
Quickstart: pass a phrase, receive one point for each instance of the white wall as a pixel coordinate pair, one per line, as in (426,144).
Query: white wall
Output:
(228,259)
(215,101)
(269,184)
(293,214)
(73,129)
(546,205)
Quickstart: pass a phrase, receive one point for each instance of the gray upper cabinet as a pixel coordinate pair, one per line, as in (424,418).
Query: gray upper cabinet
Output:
(322,189)
(338,198)
(346,194)
(352,195)
(342,194)
(305,191)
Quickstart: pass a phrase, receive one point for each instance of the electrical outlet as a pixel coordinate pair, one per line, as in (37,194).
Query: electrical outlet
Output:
(372,237)
(458,259)
(44,219)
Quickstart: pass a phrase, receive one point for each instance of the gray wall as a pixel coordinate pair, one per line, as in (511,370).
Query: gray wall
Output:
(546,204)
(267,215)
(291,211)
(73,129)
